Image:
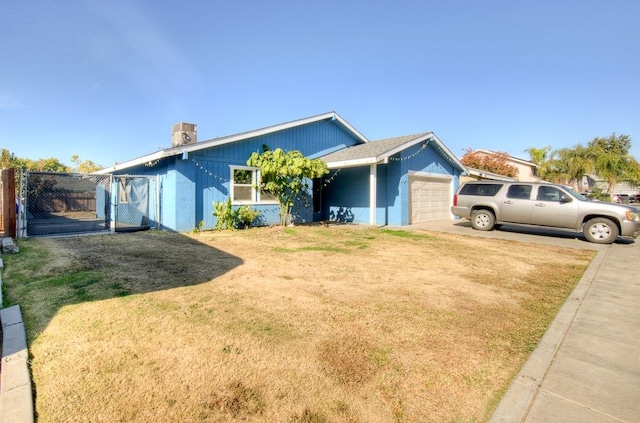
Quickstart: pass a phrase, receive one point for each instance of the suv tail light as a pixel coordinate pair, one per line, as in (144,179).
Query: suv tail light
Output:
(455,199)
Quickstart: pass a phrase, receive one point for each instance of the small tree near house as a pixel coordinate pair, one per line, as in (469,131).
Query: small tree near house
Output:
(286,175)
(496,162)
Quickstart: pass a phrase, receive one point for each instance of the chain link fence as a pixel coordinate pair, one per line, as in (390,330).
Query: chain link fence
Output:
(63,203)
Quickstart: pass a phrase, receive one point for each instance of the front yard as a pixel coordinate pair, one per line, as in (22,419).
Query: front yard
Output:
(300,325)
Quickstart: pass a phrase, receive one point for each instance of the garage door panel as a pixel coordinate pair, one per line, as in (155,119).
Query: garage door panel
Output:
(430,199)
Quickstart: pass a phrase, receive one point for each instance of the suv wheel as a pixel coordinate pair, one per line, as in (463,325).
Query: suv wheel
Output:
(600,230)
(482,220)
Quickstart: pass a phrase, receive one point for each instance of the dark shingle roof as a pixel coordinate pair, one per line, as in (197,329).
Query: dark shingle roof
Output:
(373,149)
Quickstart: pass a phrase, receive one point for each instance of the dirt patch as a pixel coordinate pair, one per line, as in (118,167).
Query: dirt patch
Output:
(340,324)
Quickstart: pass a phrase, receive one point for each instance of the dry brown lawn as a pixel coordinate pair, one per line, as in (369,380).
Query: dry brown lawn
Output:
(300,325)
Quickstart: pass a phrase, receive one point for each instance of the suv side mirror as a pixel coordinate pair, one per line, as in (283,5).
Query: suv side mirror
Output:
(564,198)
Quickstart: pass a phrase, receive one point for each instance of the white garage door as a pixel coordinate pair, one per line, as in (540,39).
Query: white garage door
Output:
(430,198)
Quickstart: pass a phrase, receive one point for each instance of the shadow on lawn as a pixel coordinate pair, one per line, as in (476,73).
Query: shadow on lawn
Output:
(50,273)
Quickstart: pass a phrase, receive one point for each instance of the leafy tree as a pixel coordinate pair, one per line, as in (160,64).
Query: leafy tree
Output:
(47,165)
(8,160)
(607,158)
(567,166)
(611,160)
(286,175)
(538,155)
(86,166)
(495,162)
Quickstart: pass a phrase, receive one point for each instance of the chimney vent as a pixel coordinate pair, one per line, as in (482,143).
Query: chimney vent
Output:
(183,134)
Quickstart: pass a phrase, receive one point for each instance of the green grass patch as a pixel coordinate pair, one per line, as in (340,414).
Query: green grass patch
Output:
(359,244)
(325,248)
(407,234)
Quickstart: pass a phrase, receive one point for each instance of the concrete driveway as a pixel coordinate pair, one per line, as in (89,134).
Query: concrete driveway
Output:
(537,235)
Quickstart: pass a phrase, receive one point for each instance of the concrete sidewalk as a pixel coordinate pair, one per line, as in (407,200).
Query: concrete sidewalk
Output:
(586,368)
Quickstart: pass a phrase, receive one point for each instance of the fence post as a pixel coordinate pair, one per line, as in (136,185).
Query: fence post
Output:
(9,202)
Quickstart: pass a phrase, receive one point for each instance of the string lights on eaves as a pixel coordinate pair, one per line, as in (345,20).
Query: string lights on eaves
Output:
(152,163)
(420,150)
(209,173)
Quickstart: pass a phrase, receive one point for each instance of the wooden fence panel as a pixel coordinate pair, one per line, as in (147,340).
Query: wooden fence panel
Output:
(9,203)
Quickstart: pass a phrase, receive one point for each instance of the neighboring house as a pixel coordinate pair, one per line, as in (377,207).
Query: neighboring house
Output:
(590,182)
(397,181)
(477,174)
(527,171)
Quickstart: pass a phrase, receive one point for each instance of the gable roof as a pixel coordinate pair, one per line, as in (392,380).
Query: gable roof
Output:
(185,149)
(380,151)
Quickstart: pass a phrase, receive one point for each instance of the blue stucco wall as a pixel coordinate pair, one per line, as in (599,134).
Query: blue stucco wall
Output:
(191,186)
(215,173)
(347,198)
(382,192)
(431,160)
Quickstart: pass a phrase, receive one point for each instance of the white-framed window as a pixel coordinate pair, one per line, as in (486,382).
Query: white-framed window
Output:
(243,186)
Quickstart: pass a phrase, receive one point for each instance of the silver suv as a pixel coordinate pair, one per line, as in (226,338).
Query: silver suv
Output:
(488,203)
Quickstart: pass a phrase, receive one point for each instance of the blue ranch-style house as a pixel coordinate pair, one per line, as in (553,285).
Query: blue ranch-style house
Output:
(396,181)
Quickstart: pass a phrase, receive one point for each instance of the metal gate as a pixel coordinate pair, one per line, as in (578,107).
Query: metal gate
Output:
(131,203)
(67,203)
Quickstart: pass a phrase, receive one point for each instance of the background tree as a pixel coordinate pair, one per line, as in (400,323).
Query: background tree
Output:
(85,166)
(538,155)
(286,175)
(607,158)
(47,165)
(495,162)
(567,166)
(8,160)
(611,160)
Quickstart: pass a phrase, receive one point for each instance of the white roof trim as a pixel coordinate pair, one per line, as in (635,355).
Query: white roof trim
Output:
(385,157)
(448,152)
(513,159)
(490,175)
(140,160)
(353,163)
(271,129)
(174,151)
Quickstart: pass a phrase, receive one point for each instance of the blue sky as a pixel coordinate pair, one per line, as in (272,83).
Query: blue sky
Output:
(106,79)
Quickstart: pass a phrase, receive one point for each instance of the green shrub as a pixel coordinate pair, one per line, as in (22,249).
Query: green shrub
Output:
(230,218)
(226,216)
(247,215)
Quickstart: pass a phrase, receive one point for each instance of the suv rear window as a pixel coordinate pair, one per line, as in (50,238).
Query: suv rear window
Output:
(487,190)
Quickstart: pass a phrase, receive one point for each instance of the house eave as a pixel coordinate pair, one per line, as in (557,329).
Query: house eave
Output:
(385,157)
(513,159)
(136,162)
(333,116)
(354,163)
(489,175)
(189,148)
